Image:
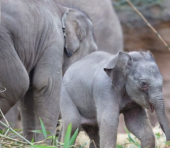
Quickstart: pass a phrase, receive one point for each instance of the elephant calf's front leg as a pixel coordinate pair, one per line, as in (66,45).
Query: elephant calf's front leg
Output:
(138,123)
(108,127)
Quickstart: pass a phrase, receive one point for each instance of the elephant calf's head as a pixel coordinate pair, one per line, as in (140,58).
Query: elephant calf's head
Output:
(139,75)
(79,40)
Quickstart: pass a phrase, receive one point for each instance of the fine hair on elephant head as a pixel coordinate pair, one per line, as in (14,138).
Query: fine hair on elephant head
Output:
(78,34)
(139,76)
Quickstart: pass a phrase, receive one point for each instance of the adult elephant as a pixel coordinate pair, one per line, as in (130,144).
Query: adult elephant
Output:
(33,36)
(107,29)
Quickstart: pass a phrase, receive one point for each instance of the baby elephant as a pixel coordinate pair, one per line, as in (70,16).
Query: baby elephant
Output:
(100,86)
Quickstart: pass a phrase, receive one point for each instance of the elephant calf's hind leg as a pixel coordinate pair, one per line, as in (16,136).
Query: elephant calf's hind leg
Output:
(69,113)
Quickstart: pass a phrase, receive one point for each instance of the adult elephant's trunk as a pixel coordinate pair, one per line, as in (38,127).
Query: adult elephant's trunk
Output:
(160,112)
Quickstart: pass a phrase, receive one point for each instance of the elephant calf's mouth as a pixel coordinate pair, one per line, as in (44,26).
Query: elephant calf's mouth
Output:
(151,107)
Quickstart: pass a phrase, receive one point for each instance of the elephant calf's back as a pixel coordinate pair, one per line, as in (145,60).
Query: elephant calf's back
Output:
(78,81)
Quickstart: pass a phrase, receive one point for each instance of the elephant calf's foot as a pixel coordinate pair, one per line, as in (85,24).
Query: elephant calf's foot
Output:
(148,142)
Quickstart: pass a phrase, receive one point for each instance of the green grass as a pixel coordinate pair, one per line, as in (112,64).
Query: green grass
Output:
(13,138)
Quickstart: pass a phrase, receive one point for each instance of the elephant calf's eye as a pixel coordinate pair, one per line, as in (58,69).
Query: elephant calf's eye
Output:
(144,85)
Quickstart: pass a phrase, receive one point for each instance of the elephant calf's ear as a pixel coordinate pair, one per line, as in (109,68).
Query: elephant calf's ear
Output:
(116,67)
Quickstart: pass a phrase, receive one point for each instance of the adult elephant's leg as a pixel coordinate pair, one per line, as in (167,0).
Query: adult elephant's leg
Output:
(27,114)
(46,84)
(137,122)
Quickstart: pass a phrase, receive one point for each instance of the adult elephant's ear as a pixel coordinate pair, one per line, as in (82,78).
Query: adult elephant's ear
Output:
(73,31)
(118,67)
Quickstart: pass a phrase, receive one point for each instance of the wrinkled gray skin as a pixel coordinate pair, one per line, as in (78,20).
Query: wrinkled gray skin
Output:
(96,89)
(107,29)
(33,58)
(12,117)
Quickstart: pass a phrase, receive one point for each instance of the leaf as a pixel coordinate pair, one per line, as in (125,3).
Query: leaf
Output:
(43,128)
(131,139)
(127,130)
(55,140)
(118,146)
(50,137)
(67,136)
(157,135)
(167,142)
(32,141)
(73,138)
(1,132)
(40,131)
(18,130)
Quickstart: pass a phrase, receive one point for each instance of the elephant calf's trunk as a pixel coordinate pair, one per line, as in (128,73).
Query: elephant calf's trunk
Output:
(160,112)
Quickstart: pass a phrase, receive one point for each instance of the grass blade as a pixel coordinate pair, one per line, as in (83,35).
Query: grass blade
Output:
(157,135)
(43,128)
(67,136)
(131,139)
(167,142)
(32,141)
(118,146)
(40,131)
(73,138)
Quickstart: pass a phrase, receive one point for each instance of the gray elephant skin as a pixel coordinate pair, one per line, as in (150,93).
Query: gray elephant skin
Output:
(107,29)
(101,86)
(35,55)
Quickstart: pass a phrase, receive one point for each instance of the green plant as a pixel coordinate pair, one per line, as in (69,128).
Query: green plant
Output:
(68,142)
(13,137)
(131,140)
